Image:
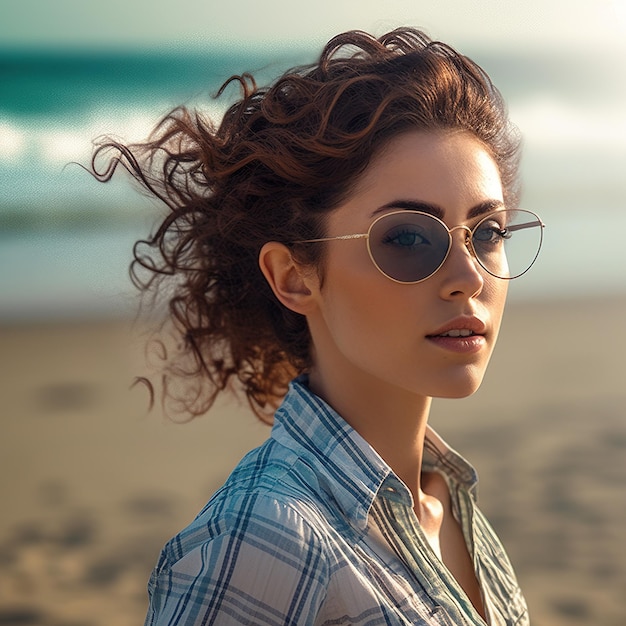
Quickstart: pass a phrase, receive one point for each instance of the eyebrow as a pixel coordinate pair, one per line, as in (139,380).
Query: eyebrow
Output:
(482,208)
(488,206)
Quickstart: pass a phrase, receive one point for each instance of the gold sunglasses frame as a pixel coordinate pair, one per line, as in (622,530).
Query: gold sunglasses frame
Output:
(468,240)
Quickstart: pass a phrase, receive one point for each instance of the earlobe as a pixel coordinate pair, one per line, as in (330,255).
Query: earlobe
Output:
(286,278)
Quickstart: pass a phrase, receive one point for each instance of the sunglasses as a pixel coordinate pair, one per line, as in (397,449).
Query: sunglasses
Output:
(410,246)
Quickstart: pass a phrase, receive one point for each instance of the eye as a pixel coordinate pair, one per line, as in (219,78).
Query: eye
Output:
(405,237)
(491,232)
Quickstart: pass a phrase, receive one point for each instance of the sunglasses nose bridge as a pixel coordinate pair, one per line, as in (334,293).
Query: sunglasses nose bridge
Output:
(468,236)
(467,239)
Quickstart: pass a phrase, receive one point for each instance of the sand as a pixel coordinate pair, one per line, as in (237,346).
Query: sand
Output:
(92,484)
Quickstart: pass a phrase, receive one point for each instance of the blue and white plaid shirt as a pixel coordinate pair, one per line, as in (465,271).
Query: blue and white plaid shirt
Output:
(313,528)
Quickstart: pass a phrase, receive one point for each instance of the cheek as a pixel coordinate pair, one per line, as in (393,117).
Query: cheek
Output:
(373,321)
(353,287)
(493,298)
(357,308)
(357,302)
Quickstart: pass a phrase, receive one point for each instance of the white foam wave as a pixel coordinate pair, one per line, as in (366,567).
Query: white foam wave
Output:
(547,123)
(12,141)
(47,141)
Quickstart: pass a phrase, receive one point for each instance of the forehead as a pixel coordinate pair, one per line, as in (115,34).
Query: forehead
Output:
(446,168)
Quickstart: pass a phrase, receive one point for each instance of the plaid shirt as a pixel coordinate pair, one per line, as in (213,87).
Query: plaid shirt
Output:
(313,528)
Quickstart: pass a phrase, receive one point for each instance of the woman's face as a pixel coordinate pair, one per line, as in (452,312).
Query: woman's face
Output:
(374,331)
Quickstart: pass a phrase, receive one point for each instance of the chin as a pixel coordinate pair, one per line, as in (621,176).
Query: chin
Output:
(457,395)
(459,389)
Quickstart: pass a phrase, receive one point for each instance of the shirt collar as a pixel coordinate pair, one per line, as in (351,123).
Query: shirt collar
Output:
(349,468)
(439,456)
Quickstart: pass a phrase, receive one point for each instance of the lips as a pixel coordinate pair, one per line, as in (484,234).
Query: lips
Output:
(457,332)
(464,326)
(462,335)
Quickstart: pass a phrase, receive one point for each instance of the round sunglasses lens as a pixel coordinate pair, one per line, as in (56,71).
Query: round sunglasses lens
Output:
(508,242)
(408,247)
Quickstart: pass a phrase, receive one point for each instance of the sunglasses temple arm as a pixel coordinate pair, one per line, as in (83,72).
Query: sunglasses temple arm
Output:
(526,225)
(357,236)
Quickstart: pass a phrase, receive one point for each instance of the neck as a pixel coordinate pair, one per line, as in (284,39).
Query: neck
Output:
(392,420)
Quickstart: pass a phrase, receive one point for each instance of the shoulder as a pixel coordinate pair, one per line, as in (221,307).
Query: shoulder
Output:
(265,503)
(253,553)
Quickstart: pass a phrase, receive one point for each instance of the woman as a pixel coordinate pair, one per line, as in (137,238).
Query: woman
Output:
(353,227)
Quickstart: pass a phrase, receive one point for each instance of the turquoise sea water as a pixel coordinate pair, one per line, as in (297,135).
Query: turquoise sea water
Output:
(65,240)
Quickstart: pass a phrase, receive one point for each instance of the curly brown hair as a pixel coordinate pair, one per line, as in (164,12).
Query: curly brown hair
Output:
(282,158)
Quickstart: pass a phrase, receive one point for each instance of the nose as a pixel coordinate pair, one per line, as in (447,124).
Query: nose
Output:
(461,273)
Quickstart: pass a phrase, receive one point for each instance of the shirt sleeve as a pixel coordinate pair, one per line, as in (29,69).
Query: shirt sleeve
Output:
(265,566)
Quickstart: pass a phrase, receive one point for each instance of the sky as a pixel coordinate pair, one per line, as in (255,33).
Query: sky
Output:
(210,23)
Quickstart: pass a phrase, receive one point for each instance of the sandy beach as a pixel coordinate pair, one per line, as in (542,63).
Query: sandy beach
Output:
(92,484)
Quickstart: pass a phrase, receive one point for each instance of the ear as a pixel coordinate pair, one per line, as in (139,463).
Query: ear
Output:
(290,282)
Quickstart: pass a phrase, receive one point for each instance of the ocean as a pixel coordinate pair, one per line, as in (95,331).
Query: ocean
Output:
(65,240)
